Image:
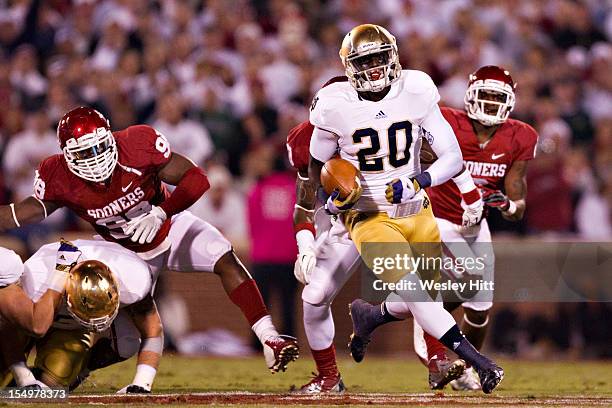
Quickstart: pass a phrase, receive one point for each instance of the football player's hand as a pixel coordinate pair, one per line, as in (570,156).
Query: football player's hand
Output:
(496,199)
(67,255)
(304,265)
(35,385)
(401,190)
(335,205)
(134,389)
(472,213)
(144,228)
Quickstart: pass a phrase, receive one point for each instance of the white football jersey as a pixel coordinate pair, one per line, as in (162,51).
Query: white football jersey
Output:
(382,139)
(11,267)
(132,273)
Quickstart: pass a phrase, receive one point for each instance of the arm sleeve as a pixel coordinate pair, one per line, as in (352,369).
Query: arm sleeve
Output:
(189,190)
(323,145)
(443,142)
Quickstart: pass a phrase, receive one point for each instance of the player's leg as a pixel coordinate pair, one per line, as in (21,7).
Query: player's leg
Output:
(336,261)
(61,355)
(432,316)
(199,247)
(476,310)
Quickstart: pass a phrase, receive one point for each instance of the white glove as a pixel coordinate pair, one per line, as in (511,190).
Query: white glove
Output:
(307,258)
(144,228)
(304,265)
(134,389)
(67,255)
(401,189)
(36,385)
(472,213)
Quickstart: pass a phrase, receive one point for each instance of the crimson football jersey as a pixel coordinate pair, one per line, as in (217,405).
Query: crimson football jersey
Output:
(513,141)
(133,188)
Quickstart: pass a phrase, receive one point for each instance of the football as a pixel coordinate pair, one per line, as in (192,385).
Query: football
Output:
(427,156)
(339,174)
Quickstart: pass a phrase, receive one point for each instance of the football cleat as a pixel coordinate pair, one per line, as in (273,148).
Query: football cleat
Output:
(467,382)
(322,384)
(363,326)
(442,371)
(279,351)
(490,377)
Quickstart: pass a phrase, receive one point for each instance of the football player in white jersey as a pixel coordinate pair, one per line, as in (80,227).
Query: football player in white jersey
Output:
(17,311)
(109,286)
(377,121)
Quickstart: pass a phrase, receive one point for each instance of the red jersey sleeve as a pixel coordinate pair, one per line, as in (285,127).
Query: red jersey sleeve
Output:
(298,145)
(526,141)
(48,179)
(143,147)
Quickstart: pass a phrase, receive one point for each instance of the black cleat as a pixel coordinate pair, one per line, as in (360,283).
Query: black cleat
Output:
(490,377)
(364,323)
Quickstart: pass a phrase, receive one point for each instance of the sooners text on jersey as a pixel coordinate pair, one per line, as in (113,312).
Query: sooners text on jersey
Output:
(513,141)
(133,188)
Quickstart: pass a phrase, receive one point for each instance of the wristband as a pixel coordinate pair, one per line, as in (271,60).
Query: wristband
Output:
(424,179)
(57,281)
(305,239)
(145,374)
(511,208)
(22,374)
(464,182)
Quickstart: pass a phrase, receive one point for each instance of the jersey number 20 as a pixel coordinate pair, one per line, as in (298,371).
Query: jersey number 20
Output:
(396,158)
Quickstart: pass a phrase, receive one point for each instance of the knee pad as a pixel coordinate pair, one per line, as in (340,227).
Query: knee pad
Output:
(476,318)
(62,354)
(316,295)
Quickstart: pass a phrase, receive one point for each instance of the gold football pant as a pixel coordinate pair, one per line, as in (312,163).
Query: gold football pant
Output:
(62,354)
(417,236)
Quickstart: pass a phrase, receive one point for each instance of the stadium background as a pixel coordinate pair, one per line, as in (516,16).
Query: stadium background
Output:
(226,80)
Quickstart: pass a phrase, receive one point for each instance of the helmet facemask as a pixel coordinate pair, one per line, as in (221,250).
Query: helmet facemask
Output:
(92,157)
(489,101)
(373,69)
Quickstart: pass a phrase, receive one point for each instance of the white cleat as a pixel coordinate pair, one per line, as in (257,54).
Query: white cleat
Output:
(467,382)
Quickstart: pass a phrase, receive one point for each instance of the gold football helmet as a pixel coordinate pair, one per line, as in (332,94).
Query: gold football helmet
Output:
(370,58)
(92,295)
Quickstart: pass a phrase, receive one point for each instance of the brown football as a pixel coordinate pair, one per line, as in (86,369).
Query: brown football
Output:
(339,174)
(428,156)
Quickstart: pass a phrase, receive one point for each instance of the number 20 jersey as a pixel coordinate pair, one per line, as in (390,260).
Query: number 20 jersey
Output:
(133,187)
(382,139)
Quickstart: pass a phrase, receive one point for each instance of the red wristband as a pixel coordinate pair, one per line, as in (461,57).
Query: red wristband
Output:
(305,226)
(471,196)
(189,190)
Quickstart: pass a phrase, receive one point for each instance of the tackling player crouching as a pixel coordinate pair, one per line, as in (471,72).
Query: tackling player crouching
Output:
(107,317)
(114,181)
(377,121)
(20,316)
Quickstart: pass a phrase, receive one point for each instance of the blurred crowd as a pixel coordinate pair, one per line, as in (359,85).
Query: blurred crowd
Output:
(225,80)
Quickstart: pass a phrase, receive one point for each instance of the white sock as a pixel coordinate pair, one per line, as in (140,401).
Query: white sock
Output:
(23,375)
(319,326)
(397,307)
(264,329)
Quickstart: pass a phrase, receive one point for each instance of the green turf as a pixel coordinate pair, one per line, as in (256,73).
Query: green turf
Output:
(402,374)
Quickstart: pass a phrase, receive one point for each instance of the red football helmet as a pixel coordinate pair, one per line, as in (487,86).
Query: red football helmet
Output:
(490,95)
(88,144)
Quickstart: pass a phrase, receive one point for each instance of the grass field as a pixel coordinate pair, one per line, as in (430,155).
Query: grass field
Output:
(392,382)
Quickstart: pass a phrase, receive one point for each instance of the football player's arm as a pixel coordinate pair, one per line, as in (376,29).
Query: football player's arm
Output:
(303,224)
(190,182)
(146,319)
(515,185)
(34,318)
(29,211)
(444,144)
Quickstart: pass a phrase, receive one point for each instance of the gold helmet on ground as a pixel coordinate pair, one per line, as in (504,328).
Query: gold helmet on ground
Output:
(370,58)
(92,295)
